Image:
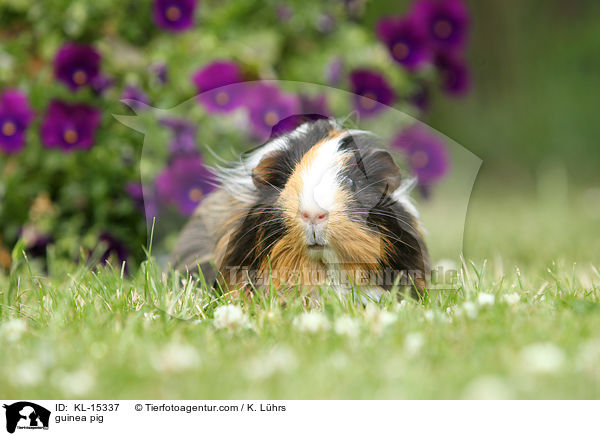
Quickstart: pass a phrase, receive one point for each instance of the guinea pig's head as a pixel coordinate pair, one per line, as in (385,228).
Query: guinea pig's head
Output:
(337,198)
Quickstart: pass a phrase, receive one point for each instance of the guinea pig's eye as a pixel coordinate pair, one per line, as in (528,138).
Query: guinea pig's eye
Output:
(349,183)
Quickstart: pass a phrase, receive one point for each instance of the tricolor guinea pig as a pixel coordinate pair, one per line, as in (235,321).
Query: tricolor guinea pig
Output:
(318,206)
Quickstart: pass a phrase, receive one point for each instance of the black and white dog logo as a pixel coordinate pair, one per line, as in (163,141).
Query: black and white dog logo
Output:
(26,415)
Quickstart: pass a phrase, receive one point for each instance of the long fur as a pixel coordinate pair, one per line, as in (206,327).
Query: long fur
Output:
(250,230)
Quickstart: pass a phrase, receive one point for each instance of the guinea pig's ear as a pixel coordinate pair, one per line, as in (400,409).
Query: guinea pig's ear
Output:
(386,170)
(267,172)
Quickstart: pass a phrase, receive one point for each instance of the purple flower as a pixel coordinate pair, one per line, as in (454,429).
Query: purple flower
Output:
(292,122)
(101,83)
(456,79)
(76,65)
(406,41)
(184,183)
(426,152)
(371,92)
(160,71)
(174,15)
(325,23)
(69,126)
(445,21)
(211,83)
(35,240)
(184,135)
(334,71)
(267,106)
(113,249)
(15,117)
(138,99)
(284,12)
(315,105)
(421,96)
(136,193)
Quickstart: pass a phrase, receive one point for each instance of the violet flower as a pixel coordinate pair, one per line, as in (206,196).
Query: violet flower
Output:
(268,106)
(138,99)
(148,204)
(334,71)
(184,135)
(77,65)
(371,91)
(15,117)
(160,71)
(69,126)
(405,40)
(113,249)
(445,21)
(456,78)
(426,152)
(184,183)
(174,15)
(211,83)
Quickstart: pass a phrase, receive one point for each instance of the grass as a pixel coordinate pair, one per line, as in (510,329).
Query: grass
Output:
(516,326)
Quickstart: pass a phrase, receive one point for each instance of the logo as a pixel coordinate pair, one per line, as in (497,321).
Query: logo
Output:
(26,415)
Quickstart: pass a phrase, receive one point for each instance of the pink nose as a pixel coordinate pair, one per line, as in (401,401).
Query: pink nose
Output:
(314,216)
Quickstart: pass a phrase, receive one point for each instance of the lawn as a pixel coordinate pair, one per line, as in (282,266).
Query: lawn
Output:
(525,323)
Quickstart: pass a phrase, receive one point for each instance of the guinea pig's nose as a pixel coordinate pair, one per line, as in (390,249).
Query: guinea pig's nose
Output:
(314,216)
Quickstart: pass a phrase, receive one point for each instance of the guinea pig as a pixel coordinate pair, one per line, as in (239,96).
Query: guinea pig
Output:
(318,206)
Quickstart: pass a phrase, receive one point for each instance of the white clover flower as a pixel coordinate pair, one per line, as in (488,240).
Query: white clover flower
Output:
(347,326)
(311,322)
(230,317)
(542,357)
(446,265)
(470,309)
(588,355)
(413,343)
(13,330)
(150,316)
(379,319)
(280,359)
(485,299)
(511,299)
(176,357)
(76,383)
(429,315)
(488,387)
(28,373)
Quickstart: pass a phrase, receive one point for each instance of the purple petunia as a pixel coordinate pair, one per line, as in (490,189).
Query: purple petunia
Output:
(334,71)
(69,126)
(77,65)
(456,79)
(211,83)
(421,96)
(160,71)
(15,117)
(292,122)
(184,135)
(268,106)
(101,83)
(311,109)
(184,183)
(445,21)
(137,98)
(174,15)
(113,249)
(371,92)
(149,204)
(315,105)
(35,240)
(405,40)
(426,153)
